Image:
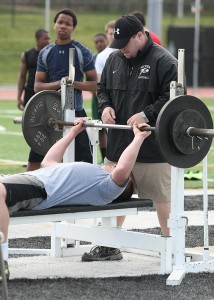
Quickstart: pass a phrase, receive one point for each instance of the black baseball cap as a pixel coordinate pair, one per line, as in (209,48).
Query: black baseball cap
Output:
(125,28)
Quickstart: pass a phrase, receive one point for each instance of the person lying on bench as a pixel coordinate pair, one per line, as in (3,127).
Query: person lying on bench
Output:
(74,183)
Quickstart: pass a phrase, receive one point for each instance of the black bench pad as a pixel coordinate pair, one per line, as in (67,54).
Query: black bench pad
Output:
(132,203)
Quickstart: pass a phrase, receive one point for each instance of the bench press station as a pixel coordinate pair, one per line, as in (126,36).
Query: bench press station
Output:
(184,137)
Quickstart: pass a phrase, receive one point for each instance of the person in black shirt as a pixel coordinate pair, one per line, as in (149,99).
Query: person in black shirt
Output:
(26,83)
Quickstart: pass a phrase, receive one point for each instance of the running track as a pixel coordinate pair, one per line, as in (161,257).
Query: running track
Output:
(10,93)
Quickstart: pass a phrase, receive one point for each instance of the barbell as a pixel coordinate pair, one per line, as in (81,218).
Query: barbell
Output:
(183,131)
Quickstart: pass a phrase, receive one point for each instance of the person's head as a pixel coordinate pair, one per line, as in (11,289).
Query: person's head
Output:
(42,38)
(65,22)
(129,36)
(109,30)
(100,41)
(140,16)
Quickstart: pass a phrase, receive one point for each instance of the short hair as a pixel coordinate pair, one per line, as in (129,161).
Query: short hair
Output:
(39,33)
(140,16)
(127,193)
(100,34)
(110,24)
(69,12)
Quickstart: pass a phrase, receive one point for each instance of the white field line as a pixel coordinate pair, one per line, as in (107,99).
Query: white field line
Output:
(11,133)
(4,162)
(11,117)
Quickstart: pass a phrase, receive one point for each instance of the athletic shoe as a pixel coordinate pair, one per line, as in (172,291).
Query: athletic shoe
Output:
(6,270)
(100,253)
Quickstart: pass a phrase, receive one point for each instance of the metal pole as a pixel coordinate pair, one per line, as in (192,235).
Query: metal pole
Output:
(181,67)
(68,105)
(196,46)
(155,15)
(3,277)
(191,131)
(100,125)
(205,209)
(180,8)
(47,14)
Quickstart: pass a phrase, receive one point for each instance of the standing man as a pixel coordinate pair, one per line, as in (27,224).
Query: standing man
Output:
(134,86)
(26,83)
(53,65)
(28,68)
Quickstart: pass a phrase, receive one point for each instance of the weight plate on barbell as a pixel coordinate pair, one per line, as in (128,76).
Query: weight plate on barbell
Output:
(182,156)
(182,141)
(38,133)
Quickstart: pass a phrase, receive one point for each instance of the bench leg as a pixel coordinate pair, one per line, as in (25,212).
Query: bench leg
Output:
(3,277)
(55,243)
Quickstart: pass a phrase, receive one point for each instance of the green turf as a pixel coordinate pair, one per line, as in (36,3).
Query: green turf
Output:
(14,147)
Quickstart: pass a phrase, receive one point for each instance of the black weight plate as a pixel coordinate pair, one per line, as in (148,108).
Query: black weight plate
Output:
(163,131)
(39,135)
(182,141)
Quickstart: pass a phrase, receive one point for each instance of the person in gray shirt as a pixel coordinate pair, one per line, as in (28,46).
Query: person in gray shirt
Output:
(58,183)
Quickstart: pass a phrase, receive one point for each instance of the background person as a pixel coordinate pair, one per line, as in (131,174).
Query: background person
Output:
(53,65)
(26,83)
(142,19)
(28,68)
(134,86)
(76,183)
(102,56)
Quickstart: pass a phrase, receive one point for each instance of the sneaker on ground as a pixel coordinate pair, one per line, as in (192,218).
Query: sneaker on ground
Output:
(6,270)
(100,253)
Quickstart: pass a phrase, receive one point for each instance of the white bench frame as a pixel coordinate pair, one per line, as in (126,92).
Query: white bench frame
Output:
(105,234)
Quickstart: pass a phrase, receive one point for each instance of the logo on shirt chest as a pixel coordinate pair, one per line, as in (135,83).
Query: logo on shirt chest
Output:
(61,51)
(144,72)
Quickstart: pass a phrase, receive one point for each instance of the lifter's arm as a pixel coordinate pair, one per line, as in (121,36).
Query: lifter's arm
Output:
(56,152)
(128,158)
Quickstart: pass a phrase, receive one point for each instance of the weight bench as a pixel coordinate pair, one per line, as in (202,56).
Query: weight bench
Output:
(105,234)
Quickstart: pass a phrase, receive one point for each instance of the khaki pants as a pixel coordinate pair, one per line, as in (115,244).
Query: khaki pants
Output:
(152,181)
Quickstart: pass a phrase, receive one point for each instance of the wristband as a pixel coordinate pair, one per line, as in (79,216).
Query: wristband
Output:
(144,116)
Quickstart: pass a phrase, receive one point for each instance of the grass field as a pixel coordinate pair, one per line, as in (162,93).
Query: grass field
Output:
(14,150)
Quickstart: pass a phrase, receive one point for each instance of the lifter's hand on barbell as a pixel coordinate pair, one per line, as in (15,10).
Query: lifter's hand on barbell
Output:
(137,118)
(137,130)
(78,126)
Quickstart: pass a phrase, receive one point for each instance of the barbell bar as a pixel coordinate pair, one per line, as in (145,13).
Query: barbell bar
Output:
(183,131)
(191,131)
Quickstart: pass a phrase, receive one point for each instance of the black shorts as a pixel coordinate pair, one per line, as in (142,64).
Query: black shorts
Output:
(35,157)
(28,94)
(23,191)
